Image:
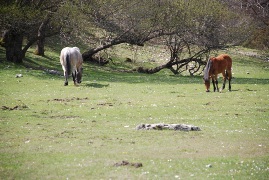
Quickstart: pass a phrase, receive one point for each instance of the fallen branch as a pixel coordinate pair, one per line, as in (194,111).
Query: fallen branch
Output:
(180,64)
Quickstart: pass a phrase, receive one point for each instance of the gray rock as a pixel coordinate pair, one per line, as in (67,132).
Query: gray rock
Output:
(19,75)
(162,126)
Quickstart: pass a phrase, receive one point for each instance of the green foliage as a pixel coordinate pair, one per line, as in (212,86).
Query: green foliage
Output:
(22,19)
(59,132)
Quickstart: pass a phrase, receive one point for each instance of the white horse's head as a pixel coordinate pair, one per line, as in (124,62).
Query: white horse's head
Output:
(79,74)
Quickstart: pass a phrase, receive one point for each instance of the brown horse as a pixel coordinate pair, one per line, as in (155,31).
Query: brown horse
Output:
(216,65)
(71,61)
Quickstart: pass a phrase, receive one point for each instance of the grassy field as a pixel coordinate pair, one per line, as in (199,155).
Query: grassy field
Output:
(49,131)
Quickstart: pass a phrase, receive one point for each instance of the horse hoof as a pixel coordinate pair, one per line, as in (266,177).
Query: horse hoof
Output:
(207,91)
(65,84)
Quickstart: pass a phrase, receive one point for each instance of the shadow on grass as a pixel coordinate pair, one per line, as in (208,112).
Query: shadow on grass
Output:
(96,74)
(42,62)
(101,79)
(137,78)
(96,85)
(249,81)
(2,55)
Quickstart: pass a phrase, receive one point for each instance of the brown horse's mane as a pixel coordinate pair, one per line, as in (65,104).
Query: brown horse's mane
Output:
(207,69)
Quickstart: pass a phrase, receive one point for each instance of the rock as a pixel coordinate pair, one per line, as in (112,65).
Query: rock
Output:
(162,126)
(52,71)
(19,75)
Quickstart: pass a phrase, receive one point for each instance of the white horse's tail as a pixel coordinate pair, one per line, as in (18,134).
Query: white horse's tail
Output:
(68,64)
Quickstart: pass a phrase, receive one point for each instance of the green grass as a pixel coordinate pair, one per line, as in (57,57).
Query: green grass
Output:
(59,132)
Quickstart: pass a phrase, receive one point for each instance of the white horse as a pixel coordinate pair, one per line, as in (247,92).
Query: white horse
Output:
(71,61)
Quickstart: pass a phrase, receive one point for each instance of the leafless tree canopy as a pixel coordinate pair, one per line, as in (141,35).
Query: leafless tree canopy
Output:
(193,27)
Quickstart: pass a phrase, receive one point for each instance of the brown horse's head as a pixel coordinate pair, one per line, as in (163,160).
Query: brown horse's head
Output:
(207,85)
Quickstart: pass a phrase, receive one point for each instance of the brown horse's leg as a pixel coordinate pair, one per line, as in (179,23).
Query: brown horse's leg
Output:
(225,76)
(213,82)
(217,85)
(224,82)
(230,87)
(229,76)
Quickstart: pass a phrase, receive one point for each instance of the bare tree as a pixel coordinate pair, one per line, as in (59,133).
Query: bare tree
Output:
(255,12)
(134,22)
(193,27)
(198,25)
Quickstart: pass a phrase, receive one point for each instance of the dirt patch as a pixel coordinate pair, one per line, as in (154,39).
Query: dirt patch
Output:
(68,99)
(126,163)
(17,107)
(63,117)
(105,104)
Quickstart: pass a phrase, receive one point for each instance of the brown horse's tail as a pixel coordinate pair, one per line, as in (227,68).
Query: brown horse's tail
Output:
(226,74)
(229,68)
(68,64)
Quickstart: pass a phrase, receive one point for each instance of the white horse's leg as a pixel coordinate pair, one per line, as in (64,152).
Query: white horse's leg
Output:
(74,75)
(66,78)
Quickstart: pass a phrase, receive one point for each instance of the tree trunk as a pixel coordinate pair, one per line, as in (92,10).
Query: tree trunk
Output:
(151,70)
(88,55)
(12,42)
(40,50)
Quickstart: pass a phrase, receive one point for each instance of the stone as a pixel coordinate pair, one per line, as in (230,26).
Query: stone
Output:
(162,126)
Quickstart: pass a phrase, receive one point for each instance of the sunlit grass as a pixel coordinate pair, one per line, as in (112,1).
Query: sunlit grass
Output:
(60,132)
